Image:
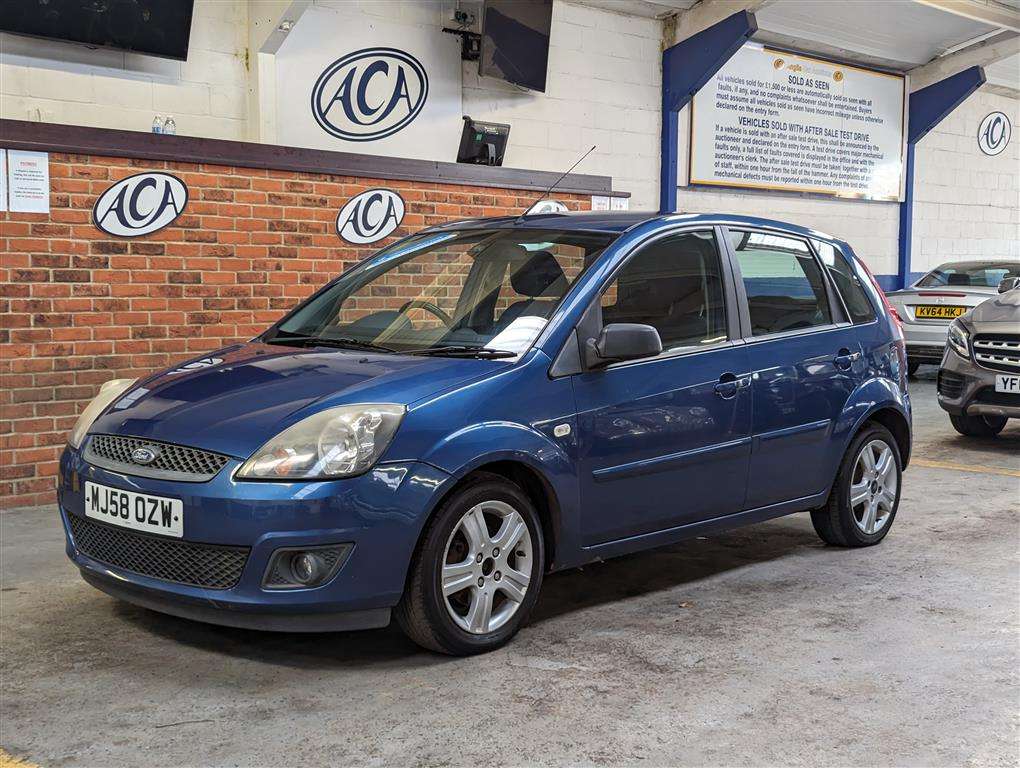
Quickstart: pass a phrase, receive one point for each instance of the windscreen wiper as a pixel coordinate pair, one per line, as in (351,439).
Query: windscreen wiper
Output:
(461,351)
(329,341)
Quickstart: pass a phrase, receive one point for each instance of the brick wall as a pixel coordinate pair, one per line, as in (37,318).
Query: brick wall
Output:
(603,88)
(79,307)
(967,204)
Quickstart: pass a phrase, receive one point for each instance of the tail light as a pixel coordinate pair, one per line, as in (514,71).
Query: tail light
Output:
(898,325)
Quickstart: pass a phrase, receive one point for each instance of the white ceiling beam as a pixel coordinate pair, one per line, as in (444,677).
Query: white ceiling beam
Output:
(708,12)
(985,11)
(268,24)
(265,18)
(1003,45)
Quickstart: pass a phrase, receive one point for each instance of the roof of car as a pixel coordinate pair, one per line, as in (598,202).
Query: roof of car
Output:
(619,221)
(976,263)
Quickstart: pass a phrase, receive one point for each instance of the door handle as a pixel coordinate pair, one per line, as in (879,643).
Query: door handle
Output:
(729,383)
(845,358)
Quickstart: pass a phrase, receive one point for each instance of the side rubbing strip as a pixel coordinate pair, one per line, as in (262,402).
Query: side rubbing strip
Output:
(669,461)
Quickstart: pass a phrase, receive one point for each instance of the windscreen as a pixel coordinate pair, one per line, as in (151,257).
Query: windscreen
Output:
(492,290)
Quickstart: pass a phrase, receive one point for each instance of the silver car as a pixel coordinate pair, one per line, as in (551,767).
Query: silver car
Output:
(928,306)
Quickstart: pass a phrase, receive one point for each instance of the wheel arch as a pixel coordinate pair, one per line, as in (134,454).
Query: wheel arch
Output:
(522,473)
(896,422)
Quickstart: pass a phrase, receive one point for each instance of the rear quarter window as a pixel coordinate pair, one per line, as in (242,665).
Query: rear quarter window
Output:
(845,278)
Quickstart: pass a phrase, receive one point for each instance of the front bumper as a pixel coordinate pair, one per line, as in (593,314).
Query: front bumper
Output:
(381,513)
(967,389)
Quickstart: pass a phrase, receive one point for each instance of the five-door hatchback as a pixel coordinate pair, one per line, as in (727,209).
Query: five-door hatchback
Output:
(487,401)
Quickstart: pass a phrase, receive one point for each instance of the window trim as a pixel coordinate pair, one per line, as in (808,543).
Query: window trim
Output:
(591,321)
(837,312)
(855,272)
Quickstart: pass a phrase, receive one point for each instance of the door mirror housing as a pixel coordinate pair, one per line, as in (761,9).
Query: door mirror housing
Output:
(622,341)
(1009,284)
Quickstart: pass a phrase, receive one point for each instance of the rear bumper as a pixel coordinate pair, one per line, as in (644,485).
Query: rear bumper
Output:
(925,341)
(967,389)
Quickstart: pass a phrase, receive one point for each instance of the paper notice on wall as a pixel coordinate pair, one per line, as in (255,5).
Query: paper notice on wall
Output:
(600,202)
(775,120)
(620,204)
(28,181)
(3,179)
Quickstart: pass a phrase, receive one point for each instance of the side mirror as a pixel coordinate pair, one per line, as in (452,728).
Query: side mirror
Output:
(1009,284)
(622,341)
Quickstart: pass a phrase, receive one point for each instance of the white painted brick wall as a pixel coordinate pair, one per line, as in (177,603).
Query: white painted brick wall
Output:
(966,204)
(603,88)
(57,82)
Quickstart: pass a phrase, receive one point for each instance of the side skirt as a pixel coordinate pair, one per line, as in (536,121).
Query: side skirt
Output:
(712,525)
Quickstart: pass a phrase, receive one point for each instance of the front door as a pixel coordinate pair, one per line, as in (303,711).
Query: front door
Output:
(665,441)
(805,359)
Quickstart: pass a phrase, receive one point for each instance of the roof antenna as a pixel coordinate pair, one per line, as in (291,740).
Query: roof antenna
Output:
(553,185)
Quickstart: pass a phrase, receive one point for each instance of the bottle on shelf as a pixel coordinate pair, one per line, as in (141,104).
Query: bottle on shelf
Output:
(157,124)
(169,126)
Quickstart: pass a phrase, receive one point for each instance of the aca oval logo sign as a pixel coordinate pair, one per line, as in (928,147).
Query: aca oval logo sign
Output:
(370,94)
(370,216)
(994,133)
(140,204)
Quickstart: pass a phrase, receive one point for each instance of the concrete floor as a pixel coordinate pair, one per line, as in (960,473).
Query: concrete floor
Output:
(759,646)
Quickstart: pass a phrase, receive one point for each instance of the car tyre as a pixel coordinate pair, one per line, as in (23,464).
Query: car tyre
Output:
(454,547)
(865,496)
(978,426)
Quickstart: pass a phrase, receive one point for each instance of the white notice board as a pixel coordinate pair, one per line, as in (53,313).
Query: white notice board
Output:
(3,179)
(776,120)
(28,181)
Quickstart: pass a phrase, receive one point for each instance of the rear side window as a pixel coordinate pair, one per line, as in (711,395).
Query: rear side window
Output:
(847,282)
(784,284)
(676,286)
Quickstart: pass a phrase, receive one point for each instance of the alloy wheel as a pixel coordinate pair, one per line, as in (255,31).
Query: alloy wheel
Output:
(487,567)
(873,486)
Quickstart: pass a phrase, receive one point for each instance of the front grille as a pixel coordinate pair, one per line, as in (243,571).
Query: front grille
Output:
(172,462)
(989,396)
(200,565)
(998,351)
(950,385)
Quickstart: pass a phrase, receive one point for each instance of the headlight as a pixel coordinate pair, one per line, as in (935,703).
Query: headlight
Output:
(959,339)
(338,442)
(109,392)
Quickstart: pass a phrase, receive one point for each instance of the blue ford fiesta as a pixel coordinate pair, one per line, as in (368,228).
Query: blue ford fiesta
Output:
(485,402)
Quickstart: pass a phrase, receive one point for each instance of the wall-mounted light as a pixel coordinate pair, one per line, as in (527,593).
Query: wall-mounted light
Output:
(285,26)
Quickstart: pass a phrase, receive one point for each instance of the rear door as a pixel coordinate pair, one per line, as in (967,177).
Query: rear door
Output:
(805,361)
(665,441)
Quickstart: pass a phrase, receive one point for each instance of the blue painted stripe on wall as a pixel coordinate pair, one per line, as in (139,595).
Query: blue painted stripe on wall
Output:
(891,282)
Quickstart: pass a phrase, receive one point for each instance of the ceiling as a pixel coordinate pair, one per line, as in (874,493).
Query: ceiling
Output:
(893,34)
(900,35)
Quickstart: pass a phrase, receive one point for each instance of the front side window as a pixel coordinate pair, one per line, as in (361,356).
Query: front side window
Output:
(676,286)
(784,284)
(484,290)
(847,282)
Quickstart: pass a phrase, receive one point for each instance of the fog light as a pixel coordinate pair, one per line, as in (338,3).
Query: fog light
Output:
(300,567)
(306,567)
